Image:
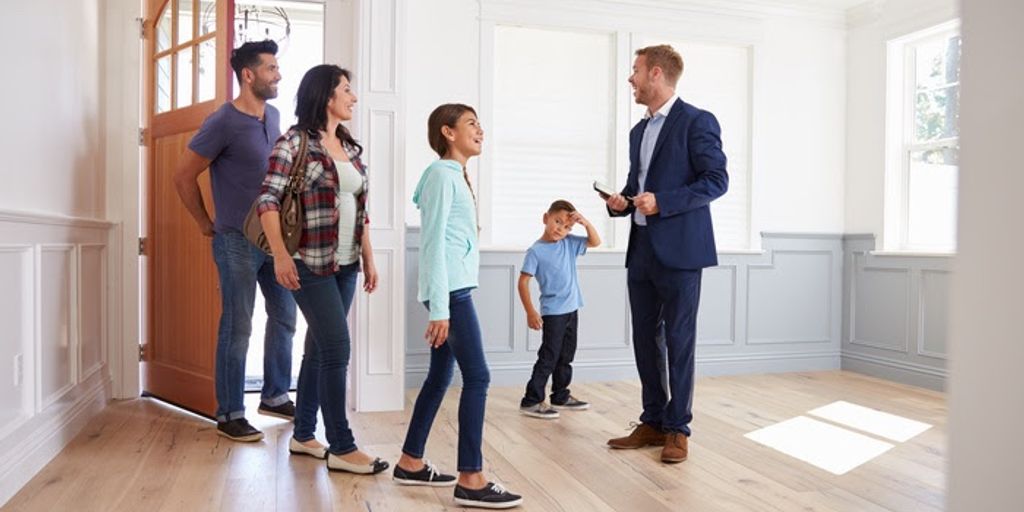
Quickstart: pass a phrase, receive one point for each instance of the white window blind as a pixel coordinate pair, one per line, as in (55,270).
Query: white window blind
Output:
(716,78)
(553,129)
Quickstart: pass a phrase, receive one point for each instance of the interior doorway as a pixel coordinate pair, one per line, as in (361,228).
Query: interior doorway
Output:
(298,28)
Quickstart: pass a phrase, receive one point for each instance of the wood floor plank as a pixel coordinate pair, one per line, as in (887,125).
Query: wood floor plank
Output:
(144,455)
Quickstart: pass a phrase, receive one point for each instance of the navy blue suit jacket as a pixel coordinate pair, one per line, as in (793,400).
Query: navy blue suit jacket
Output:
(686,173)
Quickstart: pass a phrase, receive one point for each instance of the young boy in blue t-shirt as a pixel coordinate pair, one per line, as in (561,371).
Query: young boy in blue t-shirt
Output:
(552,260)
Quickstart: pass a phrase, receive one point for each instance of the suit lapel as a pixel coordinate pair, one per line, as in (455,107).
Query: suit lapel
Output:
(673,117)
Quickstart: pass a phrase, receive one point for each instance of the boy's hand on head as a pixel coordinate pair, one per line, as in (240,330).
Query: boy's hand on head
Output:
(534,320)
(578,218)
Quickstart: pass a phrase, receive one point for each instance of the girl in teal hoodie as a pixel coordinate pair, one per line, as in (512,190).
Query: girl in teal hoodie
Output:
(448,267)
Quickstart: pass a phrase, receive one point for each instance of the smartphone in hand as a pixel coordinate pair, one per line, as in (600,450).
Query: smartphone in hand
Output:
(603,190)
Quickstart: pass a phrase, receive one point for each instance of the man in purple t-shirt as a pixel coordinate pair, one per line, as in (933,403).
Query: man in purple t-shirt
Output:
(235,144)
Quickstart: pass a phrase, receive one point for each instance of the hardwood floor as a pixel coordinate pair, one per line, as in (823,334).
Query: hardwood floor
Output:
(142,455)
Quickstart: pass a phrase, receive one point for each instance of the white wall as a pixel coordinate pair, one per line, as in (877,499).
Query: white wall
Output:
(869,28)
(57,250)
(798,92)
(986,403)
(52,108)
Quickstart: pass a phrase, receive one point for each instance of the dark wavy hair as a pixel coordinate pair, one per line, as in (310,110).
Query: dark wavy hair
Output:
(315,90)
(248,55)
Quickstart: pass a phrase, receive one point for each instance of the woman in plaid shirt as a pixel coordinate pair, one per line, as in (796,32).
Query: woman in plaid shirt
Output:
(322,273)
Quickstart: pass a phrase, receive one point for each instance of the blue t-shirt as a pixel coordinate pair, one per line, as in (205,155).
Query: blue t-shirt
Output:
(238,146)
(554,266)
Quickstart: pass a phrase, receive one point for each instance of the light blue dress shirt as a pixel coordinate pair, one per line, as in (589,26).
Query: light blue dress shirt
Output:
(647,143)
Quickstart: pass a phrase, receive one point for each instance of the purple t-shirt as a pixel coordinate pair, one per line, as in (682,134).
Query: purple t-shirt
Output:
(238,146)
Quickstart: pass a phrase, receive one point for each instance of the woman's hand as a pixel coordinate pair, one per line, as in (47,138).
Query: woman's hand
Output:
(285,271)
(369,276)
(437,333)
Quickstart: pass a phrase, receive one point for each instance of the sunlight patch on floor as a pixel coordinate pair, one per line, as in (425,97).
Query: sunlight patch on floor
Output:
(872,421)
(834,449)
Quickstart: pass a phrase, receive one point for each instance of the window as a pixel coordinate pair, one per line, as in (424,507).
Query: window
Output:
(560,120)
(552,132)
(716,78)
(923,140)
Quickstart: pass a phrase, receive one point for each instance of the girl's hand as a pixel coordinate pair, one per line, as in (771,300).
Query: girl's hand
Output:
(369,276)
(285,271)
(437,333)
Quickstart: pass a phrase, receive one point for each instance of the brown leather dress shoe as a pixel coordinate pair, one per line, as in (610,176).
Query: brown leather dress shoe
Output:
(642,435)
(676,448)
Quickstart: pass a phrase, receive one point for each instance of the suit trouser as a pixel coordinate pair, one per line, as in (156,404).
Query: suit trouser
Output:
(658,293)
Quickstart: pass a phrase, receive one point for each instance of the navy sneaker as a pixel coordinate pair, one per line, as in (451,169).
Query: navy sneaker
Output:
(284,411)
(429,475)
(491,496)
(239,430)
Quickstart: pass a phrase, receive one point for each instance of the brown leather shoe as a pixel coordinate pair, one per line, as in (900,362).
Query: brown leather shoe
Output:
(642,435)
(676,448)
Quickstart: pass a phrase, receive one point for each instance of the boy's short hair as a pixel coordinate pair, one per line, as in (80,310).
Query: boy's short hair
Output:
(561,205)
(248,55)
(666,58)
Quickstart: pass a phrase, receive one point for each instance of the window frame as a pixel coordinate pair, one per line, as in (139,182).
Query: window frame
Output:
(900,138)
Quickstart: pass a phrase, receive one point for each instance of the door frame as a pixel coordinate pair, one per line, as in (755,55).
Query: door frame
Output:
(127,281)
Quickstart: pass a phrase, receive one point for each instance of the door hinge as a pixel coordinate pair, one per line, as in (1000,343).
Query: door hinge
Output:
(142,27)
(143,132)
(142,352)
(142,246)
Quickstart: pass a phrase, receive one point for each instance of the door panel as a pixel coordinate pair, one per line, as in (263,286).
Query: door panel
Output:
(183,304)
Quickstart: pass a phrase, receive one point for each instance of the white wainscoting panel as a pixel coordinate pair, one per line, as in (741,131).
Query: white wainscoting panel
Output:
(53,352)
(57,343)
(92,278)
(17,402)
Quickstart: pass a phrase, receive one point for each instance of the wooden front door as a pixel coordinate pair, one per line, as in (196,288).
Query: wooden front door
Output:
(187,76)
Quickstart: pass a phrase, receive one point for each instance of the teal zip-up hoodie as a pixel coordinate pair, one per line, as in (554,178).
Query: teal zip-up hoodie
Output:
(449,256)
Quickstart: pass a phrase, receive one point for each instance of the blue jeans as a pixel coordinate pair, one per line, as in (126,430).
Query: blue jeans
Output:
(324,301)
(240,265)
(465,347)
(307,400)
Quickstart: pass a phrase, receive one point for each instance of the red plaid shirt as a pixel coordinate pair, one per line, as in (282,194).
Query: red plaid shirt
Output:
(319,192)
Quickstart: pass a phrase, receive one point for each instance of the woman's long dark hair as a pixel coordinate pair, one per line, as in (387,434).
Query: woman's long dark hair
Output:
(315,90)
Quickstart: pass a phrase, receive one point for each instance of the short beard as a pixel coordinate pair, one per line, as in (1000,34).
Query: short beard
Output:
(264,91)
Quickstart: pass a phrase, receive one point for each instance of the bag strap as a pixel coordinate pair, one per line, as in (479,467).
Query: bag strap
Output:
(298,170)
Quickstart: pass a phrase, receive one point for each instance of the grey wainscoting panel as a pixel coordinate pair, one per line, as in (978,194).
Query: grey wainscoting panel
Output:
(934,299)
(795,286)
(894,314)
(716,317)
(790,300)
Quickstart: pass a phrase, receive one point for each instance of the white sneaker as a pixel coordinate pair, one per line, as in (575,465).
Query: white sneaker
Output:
(297,448)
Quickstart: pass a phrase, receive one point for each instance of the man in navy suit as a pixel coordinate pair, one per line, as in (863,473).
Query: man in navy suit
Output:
(676,169)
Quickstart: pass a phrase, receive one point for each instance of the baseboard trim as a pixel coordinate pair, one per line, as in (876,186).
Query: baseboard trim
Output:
(895,370)
(515,374)
(25,451)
